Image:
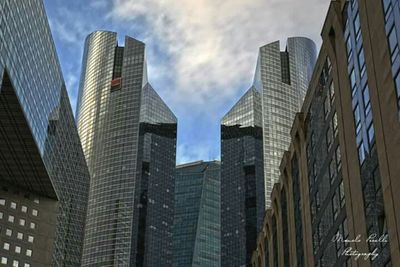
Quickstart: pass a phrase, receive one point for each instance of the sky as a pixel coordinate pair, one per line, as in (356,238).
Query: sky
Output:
(201,54)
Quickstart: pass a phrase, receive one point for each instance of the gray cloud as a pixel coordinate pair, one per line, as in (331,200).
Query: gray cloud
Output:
(211,48)
(213,44)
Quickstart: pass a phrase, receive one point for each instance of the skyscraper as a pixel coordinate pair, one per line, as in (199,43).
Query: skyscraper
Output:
(43,174)
(282,78)
(339,178)
(197,215)
(242,179)
(129,140)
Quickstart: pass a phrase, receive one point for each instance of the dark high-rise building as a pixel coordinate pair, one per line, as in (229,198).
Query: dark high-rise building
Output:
(129,140)
(242,179)
(339,177)
(282,78)
(44,180)
(197,215)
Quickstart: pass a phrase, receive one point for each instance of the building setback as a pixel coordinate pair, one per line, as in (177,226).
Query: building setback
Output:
(242,179)
(197,215)
(44,180)
(129,140)
(282,78)
(339,177)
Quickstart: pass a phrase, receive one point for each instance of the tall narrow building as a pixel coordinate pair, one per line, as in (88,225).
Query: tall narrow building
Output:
(282,78)
(197,220)
(129,140)
(44,180)
(242,179)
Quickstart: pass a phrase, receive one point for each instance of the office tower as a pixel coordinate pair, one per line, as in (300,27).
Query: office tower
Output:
(196,231)
(242,179)
(43,174)
(282,78)
(129,140)
(339,177)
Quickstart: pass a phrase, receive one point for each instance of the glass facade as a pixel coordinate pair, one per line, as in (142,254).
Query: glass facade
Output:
(374,207)
(242,180)
(29,61)
(197,215)
(282,79)
(155,189)
(129,138)
(326,191)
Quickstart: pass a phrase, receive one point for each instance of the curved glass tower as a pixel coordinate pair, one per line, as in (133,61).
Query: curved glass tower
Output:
(282,77)
(129,139)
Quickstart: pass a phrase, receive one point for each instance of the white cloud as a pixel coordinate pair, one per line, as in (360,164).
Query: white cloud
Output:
(189,153)
(212,45)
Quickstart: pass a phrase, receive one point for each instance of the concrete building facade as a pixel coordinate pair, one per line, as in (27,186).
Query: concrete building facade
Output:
(338,179)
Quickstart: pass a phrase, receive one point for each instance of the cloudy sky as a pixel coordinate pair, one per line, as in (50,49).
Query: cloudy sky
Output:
(201,53)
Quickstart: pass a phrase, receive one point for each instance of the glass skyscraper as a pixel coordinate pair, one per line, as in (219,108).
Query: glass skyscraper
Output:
(282,78)
(242,179)
(41,155)
(196,231)
(129,140)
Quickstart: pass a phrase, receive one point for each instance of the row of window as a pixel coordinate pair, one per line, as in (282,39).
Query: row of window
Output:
(13,206)
(20,236)
(15,263)
(17,249)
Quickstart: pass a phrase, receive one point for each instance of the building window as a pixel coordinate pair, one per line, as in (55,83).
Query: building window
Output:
(15,263)
(28,253)
(332,171)
(327,106)
(11,218)
(353,82)
(20,236)
(357,26)
(17,249)
(367,100)
(1,215)
(2,201)
(6,246)
(22,222)
(329,64)
(27,265)
(397,82)
(32,225)
(361,62)
(24,209)
(357,119)
(393,44)
(4,260)
(335,205)
(332,93)
(338,159)
(8,232)
(13,205)
(341,193)
(387,8)
(30,239)
(371,135)
(34,212)
(349,48)
(335,124)
(329,138)
(361,153)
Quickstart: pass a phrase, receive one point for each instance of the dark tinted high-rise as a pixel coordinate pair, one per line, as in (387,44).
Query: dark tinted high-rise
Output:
(197,219)
(242,179)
